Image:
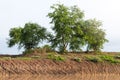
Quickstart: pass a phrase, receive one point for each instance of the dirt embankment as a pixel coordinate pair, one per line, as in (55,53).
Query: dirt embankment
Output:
(45,66)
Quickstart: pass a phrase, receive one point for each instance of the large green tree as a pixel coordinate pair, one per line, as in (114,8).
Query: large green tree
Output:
(27,37)
(64,20)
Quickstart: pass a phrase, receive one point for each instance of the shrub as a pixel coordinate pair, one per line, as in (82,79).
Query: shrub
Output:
(59,58)
(55,57)
(110,59)
(93,59)
(106,57)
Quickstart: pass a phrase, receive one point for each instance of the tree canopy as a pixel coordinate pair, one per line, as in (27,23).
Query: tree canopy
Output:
(64,20)
(73,32)
(94,36)
(27,37)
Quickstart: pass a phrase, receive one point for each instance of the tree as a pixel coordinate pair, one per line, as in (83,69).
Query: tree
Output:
(27,37)
(64,20)
(94,36)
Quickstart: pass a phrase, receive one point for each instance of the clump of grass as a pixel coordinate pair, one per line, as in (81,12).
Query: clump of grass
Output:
(109,58)
(35,57)
(55,57)
(6,58)
(24,58)
(94,59)
(77,59)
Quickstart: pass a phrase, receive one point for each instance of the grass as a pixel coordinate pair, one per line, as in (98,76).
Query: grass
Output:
(36,57)
(94,59)
(18,58)
(24,58)
(102,58)
(110,59)
(5,58)
(55,57)
(78,57)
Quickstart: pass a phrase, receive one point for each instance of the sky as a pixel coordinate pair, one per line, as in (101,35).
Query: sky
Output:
(15,13)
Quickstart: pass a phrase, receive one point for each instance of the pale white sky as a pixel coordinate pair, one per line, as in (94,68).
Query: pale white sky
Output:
(14,13)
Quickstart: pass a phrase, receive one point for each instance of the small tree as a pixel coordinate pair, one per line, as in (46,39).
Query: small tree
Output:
(27,37)
(94,36)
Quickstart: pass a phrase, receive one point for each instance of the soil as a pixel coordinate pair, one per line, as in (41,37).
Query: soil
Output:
(50,67)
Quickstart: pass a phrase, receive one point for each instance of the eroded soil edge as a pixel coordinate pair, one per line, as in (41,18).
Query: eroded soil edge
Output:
(46,66)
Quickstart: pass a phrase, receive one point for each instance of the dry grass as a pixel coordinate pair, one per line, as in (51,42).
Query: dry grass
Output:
(62,77)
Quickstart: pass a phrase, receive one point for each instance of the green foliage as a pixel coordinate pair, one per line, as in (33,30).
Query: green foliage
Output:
(15,36)
(110,59)
(32,34)
(60,19)
(73,32)
(64,20)
(107,57)
(27,37)
(102,58)
(56,57)
(94,35)
(94,59)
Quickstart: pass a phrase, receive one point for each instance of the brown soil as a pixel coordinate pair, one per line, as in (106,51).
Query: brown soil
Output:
(50,67)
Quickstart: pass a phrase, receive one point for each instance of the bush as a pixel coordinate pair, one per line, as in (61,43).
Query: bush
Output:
(93,59)
(56,57)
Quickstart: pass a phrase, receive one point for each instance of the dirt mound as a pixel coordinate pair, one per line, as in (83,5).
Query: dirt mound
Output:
(46,66)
